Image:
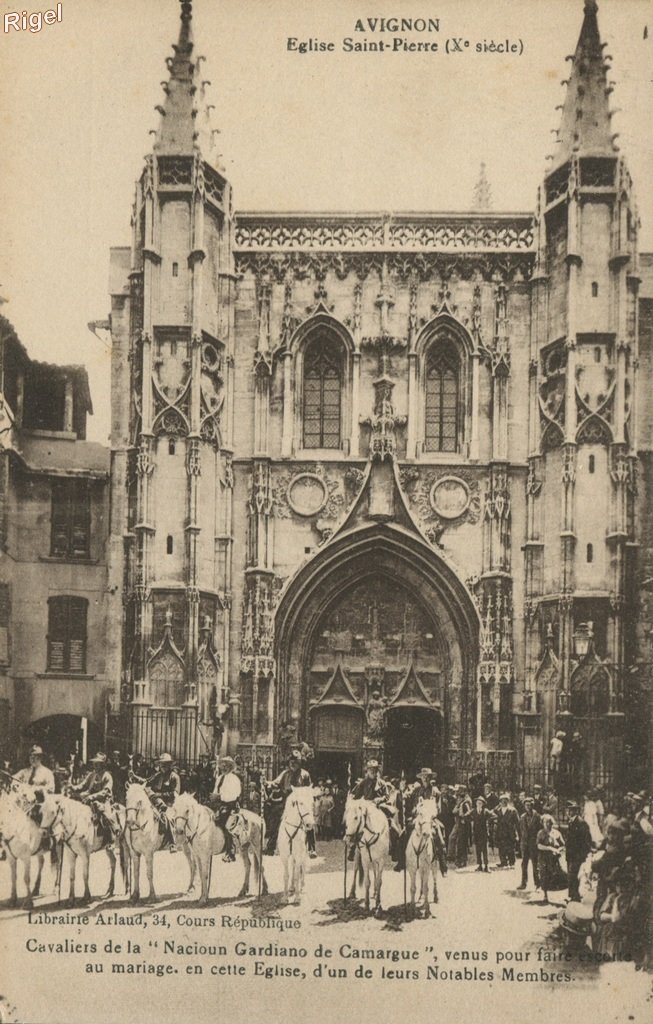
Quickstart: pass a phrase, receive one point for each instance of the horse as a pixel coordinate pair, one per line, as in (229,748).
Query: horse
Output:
(73,824)
(367,828)
(21,837)
(196,824)
(421,852)
(298,818)
(144,838)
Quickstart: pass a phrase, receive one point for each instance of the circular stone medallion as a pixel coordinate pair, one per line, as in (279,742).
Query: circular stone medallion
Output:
(450,497)
(307,494)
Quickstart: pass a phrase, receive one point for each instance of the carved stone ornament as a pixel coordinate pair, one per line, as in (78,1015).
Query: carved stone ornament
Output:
(450,497)
(307,494)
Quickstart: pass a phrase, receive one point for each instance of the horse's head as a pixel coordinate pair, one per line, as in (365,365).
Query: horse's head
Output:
(300,802)
(136,801)
(425,817)
(354,817)
(182,814)
(51,814)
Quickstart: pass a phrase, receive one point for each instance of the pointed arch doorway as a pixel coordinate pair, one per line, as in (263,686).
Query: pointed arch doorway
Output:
(385,608)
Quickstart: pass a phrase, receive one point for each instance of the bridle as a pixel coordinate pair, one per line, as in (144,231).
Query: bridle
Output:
(130,824)
(185,830)
(299,826)
(358,836)
(59,814)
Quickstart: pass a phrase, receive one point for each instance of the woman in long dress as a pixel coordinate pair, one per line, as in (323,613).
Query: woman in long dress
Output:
(550,846)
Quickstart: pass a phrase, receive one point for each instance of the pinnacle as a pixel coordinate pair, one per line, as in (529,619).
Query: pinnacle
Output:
(585,125)
(482,196)
(184,126)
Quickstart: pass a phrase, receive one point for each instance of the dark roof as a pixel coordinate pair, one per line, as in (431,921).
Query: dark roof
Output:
(60,455)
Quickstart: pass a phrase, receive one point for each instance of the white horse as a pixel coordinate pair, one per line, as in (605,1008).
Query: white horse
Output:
(21,837)
(422,852)
(72,823)
(298,819)
(196,824)
(144,837)
(367,828)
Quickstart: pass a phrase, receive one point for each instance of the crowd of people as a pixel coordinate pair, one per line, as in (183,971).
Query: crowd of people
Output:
(553,844)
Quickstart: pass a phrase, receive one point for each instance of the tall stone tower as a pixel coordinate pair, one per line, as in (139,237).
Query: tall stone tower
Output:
(171,433)
(582,456)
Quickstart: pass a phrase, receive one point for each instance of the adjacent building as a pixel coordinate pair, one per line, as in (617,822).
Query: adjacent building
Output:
(54,505)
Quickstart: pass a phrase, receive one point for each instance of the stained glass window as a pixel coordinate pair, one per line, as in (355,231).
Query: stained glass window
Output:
(442,399)
(322,393)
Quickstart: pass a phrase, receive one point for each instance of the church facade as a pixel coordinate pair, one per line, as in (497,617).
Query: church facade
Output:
(374,477)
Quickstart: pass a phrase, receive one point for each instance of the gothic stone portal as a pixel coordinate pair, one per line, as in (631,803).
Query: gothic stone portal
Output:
(377,676)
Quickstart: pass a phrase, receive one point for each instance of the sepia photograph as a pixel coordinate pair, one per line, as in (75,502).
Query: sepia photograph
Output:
(326,511)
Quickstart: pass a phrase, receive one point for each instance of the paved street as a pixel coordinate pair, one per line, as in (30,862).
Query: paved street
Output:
(481,921)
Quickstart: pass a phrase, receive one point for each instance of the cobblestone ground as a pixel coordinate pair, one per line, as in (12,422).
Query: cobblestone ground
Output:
(481,921)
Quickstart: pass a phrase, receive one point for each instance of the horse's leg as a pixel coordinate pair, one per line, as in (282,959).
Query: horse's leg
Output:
(112,876)
(13,867)
(70,902)
(366,883)
(27,870)
(426,870)
(203,864)
(257,847)
(86,866)
(378,879)
(135,894)
(191,866)
(354,875)
(244,854)
(434,872)
(36,888)
(286,871)
(149,867)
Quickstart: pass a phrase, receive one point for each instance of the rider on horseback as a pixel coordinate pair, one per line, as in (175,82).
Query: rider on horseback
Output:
(162,789)
(96,790)
(225,800)
(290,778)
(373,787)
(424,789)
(41,779)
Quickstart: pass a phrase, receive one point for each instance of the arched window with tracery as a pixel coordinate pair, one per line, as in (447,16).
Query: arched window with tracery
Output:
(442,408)
(322,392)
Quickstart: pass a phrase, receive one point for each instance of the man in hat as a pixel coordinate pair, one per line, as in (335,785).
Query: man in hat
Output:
(36,774)
(96,790)
(459,838)
(506,831)
(225,800)
(577,847)
(290,778)
(530,824)
(373,787)
(481,820)
(425,788)
(538,801)
(163,788)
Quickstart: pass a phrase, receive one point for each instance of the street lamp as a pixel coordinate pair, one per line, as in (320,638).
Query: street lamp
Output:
(583,637)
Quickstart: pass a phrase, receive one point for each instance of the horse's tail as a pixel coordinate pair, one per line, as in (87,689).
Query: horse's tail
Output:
(359,869)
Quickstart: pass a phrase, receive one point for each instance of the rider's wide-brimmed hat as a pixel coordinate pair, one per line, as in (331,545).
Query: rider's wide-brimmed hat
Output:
(372,764)
(295,755)
(99,758)
(227,762)
(425,771)
(528,800)
(165,759)
(36,750)
(481,800)
(505,796)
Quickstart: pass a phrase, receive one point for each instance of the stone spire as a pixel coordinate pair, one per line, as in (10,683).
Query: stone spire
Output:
(482,197)
(585,124)
(185,124)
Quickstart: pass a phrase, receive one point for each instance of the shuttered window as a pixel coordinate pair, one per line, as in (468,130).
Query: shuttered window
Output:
(71,519)
(67,634)
(442,399)
(322,393)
